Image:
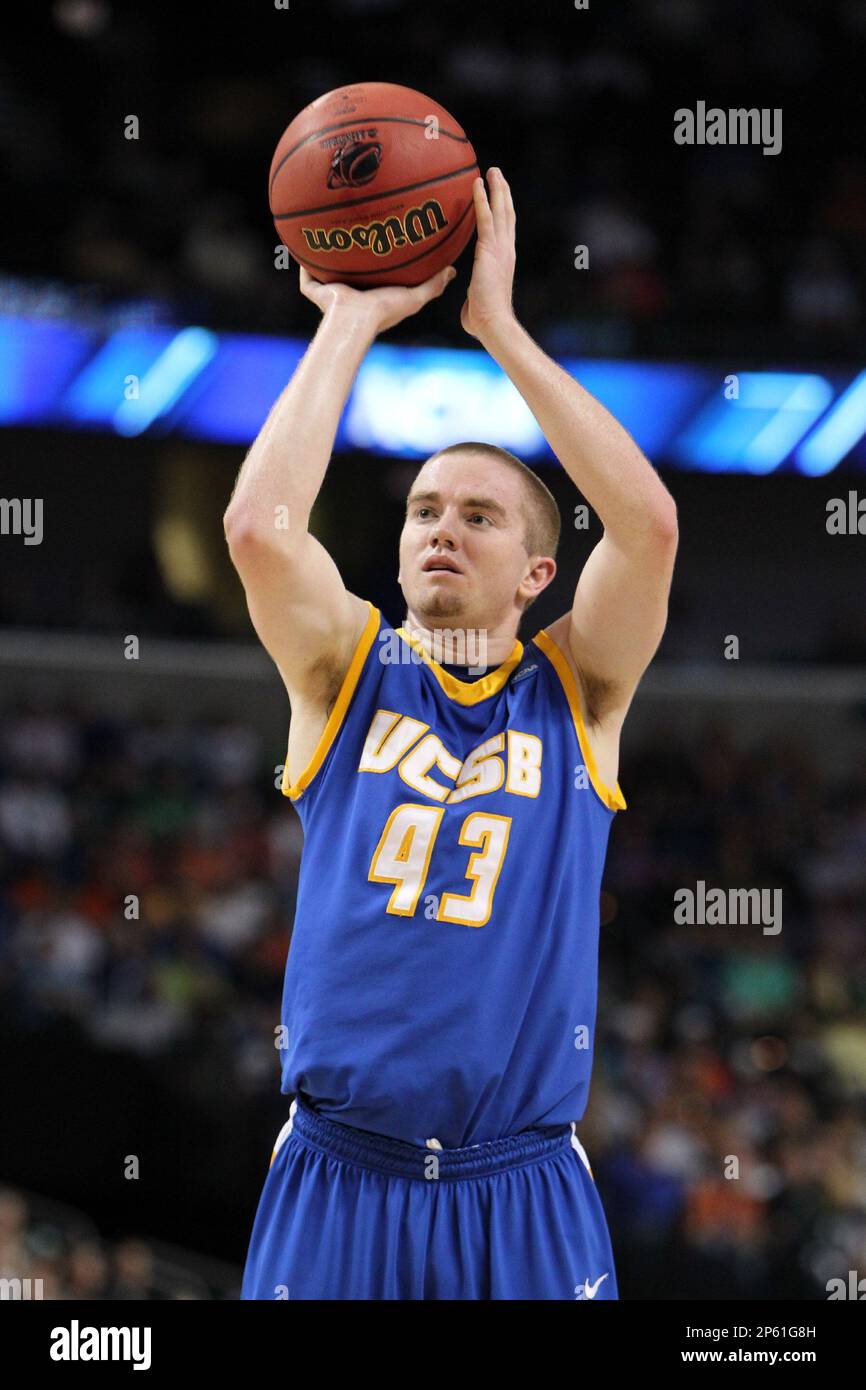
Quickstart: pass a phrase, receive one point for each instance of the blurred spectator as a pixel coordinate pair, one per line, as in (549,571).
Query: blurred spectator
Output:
(820,294)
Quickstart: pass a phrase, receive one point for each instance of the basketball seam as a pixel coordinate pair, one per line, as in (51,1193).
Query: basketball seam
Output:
(364,120)
(373,197)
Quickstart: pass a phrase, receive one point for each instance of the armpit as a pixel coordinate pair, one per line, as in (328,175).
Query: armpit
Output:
(599,696)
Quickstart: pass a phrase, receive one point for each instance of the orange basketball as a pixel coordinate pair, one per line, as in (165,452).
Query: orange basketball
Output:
(372,185)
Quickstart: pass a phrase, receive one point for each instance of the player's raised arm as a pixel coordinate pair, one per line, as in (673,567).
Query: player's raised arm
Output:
(620,604)
(299,606)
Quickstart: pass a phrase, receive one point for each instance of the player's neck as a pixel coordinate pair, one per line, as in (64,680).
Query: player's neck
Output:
(447,642)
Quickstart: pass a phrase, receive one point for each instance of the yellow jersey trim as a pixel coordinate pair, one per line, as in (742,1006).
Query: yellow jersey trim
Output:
(614,800)
(467,692)
(335,719)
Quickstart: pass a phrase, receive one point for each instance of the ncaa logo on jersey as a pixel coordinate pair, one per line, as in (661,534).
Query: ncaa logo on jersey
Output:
(523,672)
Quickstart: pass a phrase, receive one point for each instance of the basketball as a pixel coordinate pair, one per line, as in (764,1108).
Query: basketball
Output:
(371,185)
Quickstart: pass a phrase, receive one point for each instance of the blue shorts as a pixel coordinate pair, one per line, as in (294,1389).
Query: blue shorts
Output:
(346,1214)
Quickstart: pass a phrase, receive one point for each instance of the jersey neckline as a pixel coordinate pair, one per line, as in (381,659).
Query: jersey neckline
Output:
(467,692)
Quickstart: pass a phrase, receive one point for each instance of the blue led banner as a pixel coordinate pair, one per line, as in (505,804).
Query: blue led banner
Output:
(409,401)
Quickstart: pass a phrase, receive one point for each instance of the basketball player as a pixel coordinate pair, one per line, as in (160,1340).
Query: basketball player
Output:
(440,993)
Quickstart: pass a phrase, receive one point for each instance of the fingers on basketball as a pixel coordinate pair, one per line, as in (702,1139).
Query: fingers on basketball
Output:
(433,287)
(501,202)
(483,214)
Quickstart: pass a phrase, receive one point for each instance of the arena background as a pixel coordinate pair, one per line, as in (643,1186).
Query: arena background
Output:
(155,776)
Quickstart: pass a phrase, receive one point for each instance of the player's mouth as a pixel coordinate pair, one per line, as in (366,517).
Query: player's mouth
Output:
(440,564)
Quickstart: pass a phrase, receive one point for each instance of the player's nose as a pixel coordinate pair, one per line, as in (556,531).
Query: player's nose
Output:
(443,533)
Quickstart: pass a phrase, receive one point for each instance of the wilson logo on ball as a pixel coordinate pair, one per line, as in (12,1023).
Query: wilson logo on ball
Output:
(355,164)
(381,238)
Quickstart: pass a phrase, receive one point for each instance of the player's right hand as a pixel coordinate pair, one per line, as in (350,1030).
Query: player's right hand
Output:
(385,306)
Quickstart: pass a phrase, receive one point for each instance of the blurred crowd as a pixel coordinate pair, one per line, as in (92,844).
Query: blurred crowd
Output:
(149,871)
(62,1255)
(729,1100)
(701,249)
(149,884)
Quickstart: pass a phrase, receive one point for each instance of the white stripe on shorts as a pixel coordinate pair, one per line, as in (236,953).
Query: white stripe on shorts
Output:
(285,1131)
(576,1144)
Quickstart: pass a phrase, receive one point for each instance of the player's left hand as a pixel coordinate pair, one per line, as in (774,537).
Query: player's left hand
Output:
(488,298)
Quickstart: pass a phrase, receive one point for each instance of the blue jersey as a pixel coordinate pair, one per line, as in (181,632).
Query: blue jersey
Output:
(442,975)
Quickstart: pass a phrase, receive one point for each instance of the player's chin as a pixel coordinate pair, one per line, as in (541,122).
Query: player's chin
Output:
(441,604)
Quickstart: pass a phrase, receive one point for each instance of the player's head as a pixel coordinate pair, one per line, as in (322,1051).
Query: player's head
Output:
(495,520)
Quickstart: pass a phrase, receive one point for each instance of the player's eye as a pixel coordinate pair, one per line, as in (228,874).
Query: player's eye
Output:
(480,516)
